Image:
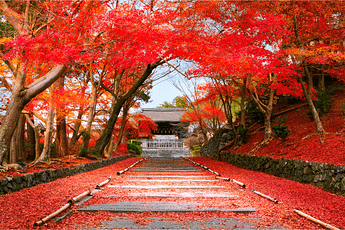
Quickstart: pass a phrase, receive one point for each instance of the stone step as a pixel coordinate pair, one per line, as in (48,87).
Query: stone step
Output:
(173,181)
(135,206)
(171,176)
(164,187)
(179,195)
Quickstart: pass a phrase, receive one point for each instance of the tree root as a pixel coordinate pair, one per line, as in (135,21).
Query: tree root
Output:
(264,142)
(321,136)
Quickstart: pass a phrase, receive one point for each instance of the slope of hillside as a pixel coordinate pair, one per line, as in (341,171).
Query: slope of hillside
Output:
(302,142)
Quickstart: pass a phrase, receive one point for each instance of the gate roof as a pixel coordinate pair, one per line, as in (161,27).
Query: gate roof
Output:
(163,114)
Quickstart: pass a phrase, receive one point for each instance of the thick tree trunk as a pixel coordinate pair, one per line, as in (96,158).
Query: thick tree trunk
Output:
(17,154)
(106,136)
(31,139)
(61,138)
(61,129)
(20,97)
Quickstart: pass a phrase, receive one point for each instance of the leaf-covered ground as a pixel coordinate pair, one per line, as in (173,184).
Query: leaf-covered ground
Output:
(54,163)
(20,210)
(301,144)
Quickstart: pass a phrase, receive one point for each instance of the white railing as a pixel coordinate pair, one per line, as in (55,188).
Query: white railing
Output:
(162,144)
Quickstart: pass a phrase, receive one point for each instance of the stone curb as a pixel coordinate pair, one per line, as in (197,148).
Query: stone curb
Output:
(17,183)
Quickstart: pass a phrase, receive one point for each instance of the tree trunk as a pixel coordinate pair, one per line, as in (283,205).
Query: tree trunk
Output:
(20,97)
(307,95)
(61,138)
(76,135)
(37,137)
(122,129)
(307,91)
(91,115)
(31,139)
(17,154)
(48,139)
(243,109)
(266,110)
(61,130)
(106,136)
(322,81)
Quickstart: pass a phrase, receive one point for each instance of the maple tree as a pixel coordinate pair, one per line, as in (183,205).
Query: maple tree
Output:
(314,42)
(42,32)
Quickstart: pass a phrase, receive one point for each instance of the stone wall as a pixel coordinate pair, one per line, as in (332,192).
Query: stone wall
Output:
(220,139)
(17,183)
(325,176)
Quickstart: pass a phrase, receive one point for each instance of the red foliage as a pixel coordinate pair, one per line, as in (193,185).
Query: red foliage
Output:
(293,195)
(324,149)
(21,209)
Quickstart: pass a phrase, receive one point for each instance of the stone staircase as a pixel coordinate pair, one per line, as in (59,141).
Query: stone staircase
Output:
(169,184)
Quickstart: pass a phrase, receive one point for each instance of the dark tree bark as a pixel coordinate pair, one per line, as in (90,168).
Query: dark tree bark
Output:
(122,129)
(17,154)
(61,129)
(76,135)
(31,141)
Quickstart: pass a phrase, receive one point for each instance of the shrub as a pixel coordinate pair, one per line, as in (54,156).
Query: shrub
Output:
(255,113)
(323,104)
(281,130)
(196,149)
(242,135)
(134,148)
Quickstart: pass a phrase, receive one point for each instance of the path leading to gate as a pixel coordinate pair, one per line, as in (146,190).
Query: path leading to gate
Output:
(168,182)
(165,193)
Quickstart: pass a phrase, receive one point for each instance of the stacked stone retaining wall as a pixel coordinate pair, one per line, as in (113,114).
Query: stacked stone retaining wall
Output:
(17,183)
(325,176)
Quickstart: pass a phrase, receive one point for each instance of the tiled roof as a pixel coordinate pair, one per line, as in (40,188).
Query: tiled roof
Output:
(162,114)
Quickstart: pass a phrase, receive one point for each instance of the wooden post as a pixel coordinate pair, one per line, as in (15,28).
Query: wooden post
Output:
(239,183)
(315,220)
(44,220)
(265,196)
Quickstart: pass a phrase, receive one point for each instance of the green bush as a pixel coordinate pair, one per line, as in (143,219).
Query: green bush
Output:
(134,148)
(196,149)
(281,130)
(255,113)
(323,104)
(242,135)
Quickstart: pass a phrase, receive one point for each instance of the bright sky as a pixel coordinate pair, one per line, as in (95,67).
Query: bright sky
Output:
(164,91)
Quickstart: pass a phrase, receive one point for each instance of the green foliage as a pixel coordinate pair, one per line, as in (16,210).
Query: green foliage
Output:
(178,102)
(83,151)
(281,130)
(323,104)
(196,151)
(53,150)
(242,135)
(85,134)
(256,115)
(134,147)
